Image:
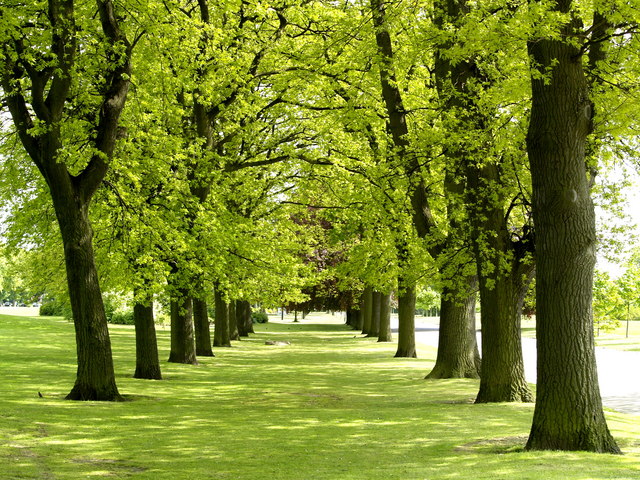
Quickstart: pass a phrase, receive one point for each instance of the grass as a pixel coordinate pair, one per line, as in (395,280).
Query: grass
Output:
(331,405)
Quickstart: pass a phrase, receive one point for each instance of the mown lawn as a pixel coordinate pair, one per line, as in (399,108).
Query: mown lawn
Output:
(331,405)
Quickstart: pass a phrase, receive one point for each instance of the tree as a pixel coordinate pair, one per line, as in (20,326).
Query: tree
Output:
(568,413)
(65,80)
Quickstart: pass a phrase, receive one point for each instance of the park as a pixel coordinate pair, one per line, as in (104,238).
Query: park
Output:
(319,238)
(331,405)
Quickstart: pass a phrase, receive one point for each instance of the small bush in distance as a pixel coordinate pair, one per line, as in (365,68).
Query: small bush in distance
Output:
(259,317)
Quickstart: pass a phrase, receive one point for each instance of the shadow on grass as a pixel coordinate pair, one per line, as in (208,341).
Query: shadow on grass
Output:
(328,406)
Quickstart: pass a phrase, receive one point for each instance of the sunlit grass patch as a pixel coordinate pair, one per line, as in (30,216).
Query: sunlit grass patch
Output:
(331,405)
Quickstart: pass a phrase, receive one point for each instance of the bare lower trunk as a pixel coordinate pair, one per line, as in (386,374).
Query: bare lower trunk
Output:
(221,332)
(202,330)
(502,376)
(458,355)
(243,316)
(233,321)
(367,310)
(568,413)
(95,379)
(385,319)
(147,361)
(183,347)
(376,298)
(407,321)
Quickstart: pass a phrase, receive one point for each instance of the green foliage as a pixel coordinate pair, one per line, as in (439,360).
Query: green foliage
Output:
(121,318)
(259,317)
(609,308)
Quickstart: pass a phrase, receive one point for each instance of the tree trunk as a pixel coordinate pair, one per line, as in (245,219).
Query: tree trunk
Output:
(243,314)
(376,299)
(95,378)
(147,361)
(568,413)
(233,321)
(502,289)
(221,332)
(202,330)
(406,321)
(502,375)
(367,310)
(458,355)
(385,319)
(183,347)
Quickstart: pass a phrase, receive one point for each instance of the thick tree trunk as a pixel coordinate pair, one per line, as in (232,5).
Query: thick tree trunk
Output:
(502,375)
(147,361)
(183,346)
(458,355)
(376,299)
(367,310)
(221,332)
(406,321)
(502,289)
(95,378)
(568,413)
(385,318)
(243,314)
(233,321)
(202,330)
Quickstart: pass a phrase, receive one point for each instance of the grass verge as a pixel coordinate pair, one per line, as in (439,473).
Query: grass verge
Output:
(331,405)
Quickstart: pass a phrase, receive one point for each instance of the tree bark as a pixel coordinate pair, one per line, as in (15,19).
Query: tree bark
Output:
(568,413)
(406,321)
(376,299)
(385,319)
(233,321)
(221,331)
(502,290)
(147,361)
(183,347)
(367,310)
(502,374)
(458,355)
(202,330)
(243,314)
(37,97)
(95,379)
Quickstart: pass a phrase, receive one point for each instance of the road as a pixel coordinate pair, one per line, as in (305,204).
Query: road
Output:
(617,370)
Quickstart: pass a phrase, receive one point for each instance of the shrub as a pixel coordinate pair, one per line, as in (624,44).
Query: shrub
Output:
(122,317)
(55,308)
(259,317)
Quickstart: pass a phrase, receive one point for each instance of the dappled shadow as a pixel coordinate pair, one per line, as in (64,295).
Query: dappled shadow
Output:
(327,406)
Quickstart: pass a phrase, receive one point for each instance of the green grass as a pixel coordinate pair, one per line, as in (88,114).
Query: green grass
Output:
(331,405)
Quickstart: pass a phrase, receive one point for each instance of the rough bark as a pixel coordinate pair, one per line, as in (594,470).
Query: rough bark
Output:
(183,346)
(243,316)
(376,299)
(458,355)
(221,336)
(95,379)
(36,95)
(202,330)
(233,321)
(385,319)
(367,310)
(147,361)
(406,321)
(501,292)
(568,413)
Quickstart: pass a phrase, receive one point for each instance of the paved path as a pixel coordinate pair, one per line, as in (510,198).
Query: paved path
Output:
(618,371)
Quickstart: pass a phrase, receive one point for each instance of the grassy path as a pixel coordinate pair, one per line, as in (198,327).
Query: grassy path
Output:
(328,406)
